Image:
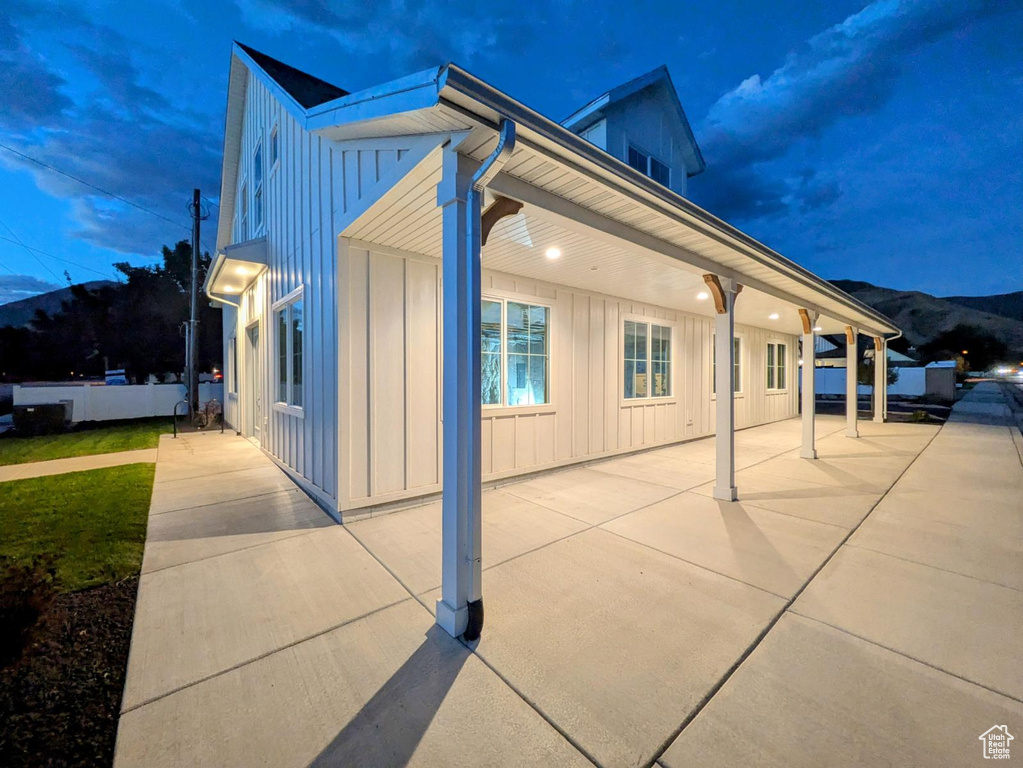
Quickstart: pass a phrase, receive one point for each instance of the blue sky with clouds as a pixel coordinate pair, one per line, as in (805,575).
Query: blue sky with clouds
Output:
(876,141)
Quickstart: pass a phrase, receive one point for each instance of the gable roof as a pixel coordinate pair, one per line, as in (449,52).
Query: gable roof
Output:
(659,79)
(307,90)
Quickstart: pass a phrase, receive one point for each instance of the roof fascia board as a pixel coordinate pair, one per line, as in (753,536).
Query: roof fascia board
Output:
(612,172)
(593,109)
(287,100)
(407,94)
(234,116)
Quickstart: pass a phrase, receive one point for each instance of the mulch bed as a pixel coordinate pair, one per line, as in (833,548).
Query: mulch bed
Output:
(59,702)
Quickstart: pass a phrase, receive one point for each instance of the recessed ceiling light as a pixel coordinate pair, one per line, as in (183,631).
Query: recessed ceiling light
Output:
(230,289)
(553,253)
(773,316)
(703,295)
(241,270)
(817,328)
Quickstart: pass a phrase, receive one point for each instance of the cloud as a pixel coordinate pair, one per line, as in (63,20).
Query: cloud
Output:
(120,136)
(848,70)
(31,91)
(17,287)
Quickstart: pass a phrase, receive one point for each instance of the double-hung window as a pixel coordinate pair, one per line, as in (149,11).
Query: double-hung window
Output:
(257,187)
(289,329)
(647,360)
(777,366)
(515,353)
(651,166)
(736,364)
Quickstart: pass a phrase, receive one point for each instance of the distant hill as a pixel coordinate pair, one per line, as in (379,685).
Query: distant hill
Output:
(922,316)
(1004,304)
(20,313)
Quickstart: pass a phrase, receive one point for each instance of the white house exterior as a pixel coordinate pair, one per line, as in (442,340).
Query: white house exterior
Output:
(347,233)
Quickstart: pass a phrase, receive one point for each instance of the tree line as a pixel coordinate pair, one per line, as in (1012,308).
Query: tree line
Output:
(137,325)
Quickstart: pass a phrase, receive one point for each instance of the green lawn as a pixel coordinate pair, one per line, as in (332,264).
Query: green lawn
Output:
(93,524)
(84,441)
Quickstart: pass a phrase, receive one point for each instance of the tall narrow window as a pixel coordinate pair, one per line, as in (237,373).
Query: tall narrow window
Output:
(232,366)
(736,365)
(515,353)
(257,185)
(275,148)
(490,364)
(243,206)
(289,325)
(647,353)
(777,378)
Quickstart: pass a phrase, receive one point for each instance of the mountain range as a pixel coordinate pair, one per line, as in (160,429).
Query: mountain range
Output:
(922,316)
(20,313)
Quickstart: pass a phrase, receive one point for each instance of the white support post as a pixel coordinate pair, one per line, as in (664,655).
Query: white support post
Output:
(808,377)
(851,380)
(726,291)
(461,502)
(880,379)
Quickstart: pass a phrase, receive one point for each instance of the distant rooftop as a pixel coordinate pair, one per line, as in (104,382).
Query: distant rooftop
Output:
(307,90)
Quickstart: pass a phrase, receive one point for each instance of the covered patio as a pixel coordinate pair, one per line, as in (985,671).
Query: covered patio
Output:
(521,208)
(619,605)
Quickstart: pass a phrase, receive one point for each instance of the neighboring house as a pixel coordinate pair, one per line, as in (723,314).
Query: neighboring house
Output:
(606,296)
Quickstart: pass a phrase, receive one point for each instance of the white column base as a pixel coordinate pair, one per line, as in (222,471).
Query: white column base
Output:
(726,494)
(808,453)
(452,620)
(852,433)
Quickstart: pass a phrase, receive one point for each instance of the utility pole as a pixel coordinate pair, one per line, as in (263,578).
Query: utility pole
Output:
(193,323)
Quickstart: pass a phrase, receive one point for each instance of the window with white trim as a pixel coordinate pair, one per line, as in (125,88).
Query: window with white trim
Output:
(243,210)
(736,364)
(289,328)
(257,184)
(645,163)
(647,353)
(232,366)
(515,353)
(777,366)
(275,148)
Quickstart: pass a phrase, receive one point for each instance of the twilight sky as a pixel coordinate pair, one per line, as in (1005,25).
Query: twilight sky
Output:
(878,141)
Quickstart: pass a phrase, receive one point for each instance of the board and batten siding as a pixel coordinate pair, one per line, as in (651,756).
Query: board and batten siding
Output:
(309,196)
(391,379)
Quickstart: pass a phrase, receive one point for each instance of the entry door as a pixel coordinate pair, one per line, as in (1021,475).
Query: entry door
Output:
(255,382)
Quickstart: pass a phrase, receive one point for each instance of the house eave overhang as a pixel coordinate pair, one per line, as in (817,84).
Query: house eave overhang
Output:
(234,269)
(454,88)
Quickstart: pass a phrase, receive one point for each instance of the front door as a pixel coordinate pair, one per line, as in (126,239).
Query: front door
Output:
(254,382)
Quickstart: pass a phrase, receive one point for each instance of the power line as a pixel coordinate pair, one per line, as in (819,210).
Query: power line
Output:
(93,186)
(34,251)
(22,244)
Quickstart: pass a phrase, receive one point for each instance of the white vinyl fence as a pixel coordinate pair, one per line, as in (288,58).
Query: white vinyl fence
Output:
(100,402)
(831,381)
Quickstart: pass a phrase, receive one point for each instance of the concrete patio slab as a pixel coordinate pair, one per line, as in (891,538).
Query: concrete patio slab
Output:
(588,495)
(202,618)
(675,471)
(389,690)
(616,642)
(967,627)
(409,542)
(775,552)
(835,505)
(196,533)
(214,489)
(75,464)
(812,696)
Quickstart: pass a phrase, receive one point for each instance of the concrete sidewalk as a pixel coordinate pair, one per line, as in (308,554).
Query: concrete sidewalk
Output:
(76,464)
(631,618)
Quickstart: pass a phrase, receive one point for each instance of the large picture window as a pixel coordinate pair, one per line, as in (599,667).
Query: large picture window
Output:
(515,353)
(736,365)
(289,329)
(647,360)
(777,366)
